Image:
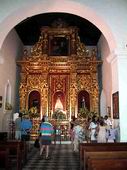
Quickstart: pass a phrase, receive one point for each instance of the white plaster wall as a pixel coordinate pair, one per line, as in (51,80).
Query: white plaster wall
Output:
(114,13)
(122,72)
(11,49)
(103,51)
(114,67)
(107,15)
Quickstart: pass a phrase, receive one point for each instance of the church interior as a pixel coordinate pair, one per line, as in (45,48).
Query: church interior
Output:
(64,62)
(57,77)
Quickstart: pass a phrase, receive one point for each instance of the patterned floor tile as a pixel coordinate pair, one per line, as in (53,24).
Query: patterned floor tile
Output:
(62,158)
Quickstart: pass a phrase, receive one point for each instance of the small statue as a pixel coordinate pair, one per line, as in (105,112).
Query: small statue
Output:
(83,104)
(25,52)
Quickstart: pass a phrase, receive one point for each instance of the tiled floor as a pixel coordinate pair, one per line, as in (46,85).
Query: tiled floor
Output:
(62,158)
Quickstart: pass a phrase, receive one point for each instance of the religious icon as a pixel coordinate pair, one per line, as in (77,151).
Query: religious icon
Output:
(0,101)
(58,104)
(115,98)
(59,46)
(83,104)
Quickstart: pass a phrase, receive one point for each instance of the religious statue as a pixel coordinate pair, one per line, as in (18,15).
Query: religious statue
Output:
(83,104)
(58,104)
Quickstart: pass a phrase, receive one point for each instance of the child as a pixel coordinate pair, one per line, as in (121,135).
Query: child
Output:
(111,134)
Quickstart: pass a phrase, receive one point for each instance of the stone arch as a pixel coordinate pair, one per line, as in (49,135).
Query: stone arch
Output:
(55,6)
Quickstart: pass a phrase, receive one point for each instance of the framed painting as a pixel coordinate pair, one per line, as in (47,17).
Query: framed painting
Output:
(115,100)
(58,46)
(0,101)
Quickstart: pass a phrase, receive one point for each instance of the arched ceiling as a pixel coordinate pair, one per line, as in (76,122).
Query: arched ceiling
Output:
(29,29)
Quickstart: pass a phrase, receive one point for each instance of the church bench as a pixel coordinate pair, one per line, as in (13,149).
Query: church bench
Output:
(17,151)
(15,154)
(103,155)
(4,158)
(99,147)
(22,148)
(107,164)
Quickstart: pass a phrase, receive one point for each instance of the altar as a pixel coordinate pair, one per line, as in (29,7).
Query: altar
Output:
(59,72)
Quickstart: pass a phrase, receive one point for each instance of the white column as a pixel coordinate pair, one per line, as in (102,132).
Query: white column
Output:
(119,83)
(122,74)
(103,109)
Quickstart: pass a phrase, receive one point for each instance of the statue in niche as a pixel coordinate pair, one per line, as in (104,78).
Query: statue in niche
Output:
(83,103)
(58,104)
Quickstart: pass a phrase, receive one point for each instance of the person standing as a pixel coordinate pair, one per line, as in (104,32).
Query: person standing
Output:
(78,135)
(87,130)
(18,127)
(71,131)
(26,126)
(111,135)
(93,129)
(101,137)
(46,131)
(107,122)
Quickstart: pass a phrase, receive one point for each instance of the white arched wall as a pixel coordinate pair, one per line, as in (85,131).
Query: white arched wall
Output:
(18,11)
(34,8)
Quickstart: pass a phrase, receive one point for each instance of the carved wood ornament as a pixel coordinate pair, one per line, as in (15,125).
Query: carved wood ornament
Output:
(64,72)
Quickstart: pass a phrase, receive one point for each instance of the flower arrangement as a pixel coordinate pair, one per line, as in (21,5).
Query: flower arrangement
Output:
(32,112)
(84,113)
(58,115)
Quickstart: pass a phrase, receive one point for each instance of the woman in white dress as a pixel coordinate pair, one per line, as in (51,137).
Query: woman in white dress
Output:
(101,137)
(93,127)
(77,138)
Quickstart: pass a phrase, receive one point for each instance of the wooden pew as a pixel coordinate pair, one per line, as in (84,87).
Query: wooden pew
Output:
(107,164)
(24,151)
(17,152)
(103,155)
(3,136)
(4,159)
(84,147)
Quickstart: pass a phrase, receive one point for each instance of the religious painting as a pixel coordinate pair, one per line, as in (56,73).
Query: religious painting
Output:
(0,101)
(115,100)
(59,46)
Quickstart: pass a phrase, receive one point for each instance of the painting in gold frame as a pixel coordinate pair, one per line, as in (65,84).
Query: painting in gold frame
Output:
(59,46)
(115,100)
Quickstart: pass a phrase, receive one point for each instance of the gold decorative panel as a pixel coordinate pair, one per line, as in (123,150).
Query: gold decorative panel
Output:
(68,71)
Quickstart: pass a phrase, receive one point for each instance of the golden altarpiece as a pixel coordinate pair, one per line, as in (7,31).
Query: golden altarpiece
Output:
(59,72)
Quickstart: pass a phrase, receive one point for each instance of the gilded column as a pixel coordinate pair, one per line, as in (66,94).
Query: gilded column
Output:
(45,94)
(73,94)
(23,91)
